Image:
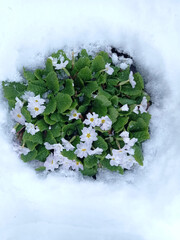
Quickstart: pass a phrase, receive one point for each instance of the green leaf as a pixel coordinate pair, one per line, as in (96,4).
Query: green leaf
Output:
(39,73)
(128,101)
(52,82)
(49,66)
(98,108)
(42,153)
(30,156)
(139,130)
(36,88)
(113,114)
(89,171)
(57,117)
(85,74)
(90,161)
(48,120)
(84,53)
(114,100)
(138,155)
(139,80)
(98,64)
(50,138)
(105,56)
(26,114)
(124,75)
(106,163)
(69,87)
(40,169)
(120,123)
(56,130)
(81,63)
(64,101)
(82,109)
(100,143)
(69,154)
(36,138)
(102,100)
(31,145)
(104,93)
(13,90)
(42,125)
(90,88)
(50,107)
(28,75)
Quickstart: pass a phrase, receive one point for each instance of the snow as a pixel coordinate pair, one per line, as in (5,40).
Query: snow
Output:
(145,203)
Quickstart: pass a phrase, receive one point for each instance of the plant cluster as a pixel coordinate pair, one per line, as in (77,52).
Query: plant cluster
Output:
(80,113)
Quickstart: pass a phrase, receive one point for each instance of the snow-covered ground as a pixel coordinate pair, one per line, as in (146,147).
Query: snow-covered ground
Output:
(143,205)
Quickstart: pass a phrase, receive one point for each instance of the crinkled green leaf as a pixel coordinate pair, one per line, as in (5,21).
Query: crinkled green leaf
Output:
(90,88)
(102,100)
(120,123)
(90,161)
(56,130)
(26,114)
(98,64)
(52,82)
(89,171)
(69,154)
(49,137)
(124,75)
(105,56)
(42,125)
(28,75)
(98,108)
(138,155)
(69,87)
(36,88)
(36,138)
(30,156)
(48,120)
(64,101)
(42,154)
(50,107)
(13,90)
(82,62)
(101,143)
(49,66)
(114,100)
(31,145)
(113,114)
(85,74)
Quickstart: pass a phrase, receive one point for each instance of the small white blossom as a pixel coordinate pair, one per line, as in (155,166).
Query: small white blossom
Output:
(125,136)
(82,149)
(125,108)
(51,162)
(114,58)
(19,103)
(92,119)
(143,105)
(109,70)
(62,64)
(31,128)
(77,165)
(58,148)
(54,60)
(66,163)
(36,100)
(97,151)
(136,110)
(106,123)
(74,115)
(114,160)
(88,135)
(131,80)
(35,109)
(127,162)
(17,115)
(27,95)
(20,149)
(67,145)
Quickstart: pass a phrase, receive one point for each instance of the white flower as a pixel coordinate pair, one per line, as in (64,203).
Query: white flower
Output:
(62,64)
(31,128)
(131,80)
(125,108)
(36,100)
(82,149)
(109,70)
(35,109)
(143,105)
(114,58)
(125,136)
(27,95)
(106,123)
(74,115)
(136,110)
(114,160)
(58,148)
(131,142)
(88,135)
(17,115)
(128,162)
(77,165)
(92,119)
(21,149)
(123,66)
(54,60)
(19,103)
(67,145)
(51,162)
(97,151)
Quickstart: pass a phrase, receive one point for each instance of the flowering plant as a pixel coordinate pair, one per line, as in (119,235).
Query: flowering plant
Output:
(80,113)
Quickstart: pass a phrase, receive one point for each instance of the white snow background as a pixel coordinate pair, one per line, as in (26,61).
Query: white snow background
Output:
(143,204)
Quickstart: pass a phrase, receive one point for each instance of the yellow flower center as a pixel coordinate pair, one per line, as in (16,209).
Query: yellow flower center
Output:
(75,114)
(91,119)
(36,100)
(84,149)
(88,135)
(103,121)
(113,158)
(18,115)
(120,151)
(36,109)
(52,162)
(77,163)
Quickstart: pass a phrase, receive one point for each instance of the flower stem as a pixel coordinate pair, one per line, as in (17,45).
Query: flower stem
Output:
(124,82)
(72,139)
(66,71)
